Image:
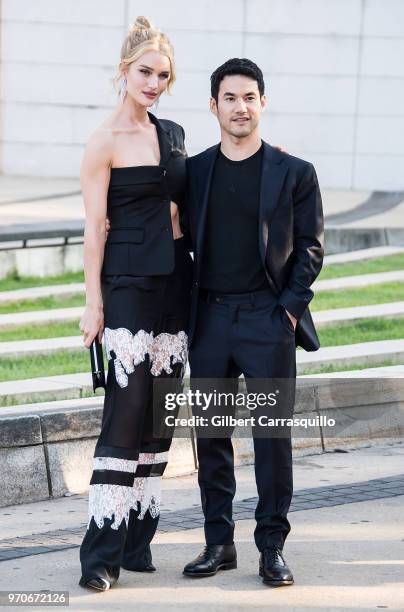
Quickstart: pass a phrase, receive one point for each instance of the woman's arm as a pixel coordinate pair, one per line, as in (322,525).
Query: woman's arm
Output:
(94,178)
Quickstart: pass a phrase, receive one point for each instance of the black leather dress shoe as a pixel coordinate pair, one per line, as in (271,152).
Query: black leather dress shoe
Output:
(273,568)
(98,584)
(212,559)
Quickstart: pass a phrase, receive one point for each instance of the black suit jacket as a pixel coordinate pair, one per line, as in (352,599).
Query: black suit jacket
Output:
(291,231)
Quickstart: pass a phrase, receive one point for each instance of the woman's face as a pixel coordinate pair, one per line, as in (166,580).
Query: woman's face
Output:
(147,77)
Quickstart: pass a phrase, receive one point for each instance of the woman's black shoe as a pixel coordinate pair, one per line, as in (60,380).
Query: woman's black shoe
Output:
(98,584)
(146,568)
(212,559)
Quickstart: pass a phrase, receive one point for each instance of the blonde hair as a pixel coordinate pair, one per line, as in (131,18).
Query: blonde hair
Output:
(142,37)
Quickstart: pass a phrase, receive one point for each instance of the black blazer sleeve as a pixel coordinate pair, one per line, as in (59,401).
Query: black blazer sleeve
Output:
(308,243)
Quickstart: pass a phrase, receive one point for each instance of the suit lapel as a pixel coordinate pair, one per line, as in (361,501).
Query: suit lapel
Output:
(272,178)
(205,175)
(165,140)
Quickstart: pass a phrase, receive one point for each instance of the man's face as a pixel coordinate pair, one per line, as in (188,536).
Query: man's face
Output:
(239,105)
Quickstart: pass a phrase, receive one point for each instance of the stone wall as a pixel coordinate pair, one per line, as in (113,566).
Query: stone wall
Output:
(333,69)
(46,449)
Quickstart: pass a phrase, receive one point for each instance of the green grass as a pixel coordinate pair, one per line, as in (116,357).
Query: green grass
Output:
(43,303)
(370,266)
(361,296)
(35,332)
(62,362)
(362,330)
(16,282)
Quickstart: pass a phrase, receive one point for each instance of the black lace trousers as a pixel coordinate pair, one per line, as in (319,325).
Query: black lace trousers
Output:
(146,322)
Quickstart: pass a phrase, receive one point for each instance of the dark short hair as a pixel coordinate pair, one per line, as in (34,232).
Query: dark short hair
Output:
(236,65)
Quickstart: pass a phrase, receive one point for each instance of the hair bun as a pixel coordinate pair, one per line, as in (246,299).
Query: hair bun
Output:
(141,23)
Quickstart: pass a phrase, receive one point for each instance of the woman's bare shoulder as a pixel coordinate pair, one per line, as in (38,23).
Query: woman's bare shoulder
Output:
(99,147)
(102,137)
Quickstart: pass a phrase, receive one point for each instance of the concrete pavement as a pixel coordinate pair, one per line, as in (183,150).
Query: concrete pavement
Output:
(345,557)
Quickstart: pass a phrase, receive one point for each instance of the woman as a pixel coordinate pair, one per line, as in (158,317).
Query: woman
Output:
(137,293)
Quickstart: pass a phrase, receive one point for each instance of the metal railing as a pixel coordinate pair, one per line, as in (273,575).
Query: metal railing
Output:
(46,235)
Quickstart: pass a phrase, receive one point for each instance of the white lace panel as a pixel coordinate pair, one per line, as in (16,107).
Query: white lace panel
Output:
(130,350)
(148,492)
(151,458)
(165,347)
(112,463)
(107,501)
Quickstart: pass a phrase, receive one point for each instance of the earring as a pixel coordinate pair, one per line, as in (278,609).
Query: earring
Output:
(122,89)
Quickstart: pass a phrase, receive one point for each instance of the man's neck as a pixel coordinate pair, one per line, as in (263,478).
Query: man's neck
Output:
(238,149)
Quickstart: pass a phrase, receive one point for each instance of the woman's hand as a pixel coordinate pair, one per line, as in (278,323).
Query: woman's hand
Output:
(92,323)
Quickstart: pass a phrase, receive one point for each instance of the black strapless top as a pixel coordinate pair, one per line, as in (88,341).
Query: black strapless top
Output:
(141,242)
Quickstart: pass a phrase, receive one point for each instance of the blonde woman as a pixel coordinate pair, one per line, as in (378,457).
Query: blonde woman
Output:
(137,294)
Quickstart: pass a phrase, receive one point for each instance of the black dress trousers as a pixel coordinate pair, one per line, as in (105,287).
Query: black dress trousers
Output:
(249,334)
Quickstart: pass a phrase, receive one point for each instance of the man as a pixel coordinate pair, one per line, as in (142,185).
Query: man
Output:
(256,225)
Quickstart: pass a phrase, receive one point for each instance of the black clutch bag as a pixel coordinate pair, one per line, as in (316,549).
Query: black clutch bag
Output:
(97,364)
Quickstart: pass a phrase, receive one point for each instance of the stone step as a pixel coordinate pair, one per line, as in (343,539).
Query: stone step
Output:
(37,317)
(394,371)
(49,388)
(33,293)
(331,284)
(63,405)
(71,386)
(359,280)
(352,355)
(63,386)
(321,317)
(21,348)
(388,310)
(363,254)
